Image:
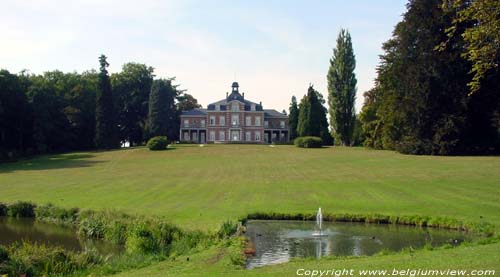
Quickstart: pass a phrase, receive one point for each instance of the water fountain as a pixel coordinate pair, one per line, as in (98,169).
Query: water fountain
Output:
(319,222)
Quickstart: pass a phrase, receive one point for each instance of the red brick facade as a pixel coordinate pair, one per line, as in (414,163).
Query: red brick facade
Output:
(234,119)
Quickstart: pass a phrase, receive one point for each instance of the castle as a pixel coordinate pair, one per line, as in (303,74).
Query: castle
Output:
(234,119)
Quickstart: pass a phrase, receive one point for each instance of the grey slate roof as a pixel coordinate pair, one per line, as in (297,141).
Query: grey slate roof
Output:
(274,113)
(195,112)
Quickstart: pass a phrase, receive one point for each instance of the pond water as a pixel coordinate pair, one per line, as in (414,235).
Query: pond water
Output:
(278,241)
(27,229)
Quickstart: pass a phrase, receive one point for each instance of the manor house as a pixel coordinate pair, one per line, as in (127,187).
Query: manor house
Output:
(234,119)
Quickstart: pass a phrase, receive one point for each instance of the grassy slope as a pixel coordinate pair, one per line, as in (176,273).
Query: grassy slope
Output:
(199,187)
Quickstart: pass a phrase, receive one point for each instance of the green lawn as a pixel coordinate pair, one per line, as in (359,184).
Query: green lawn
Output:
(200,187)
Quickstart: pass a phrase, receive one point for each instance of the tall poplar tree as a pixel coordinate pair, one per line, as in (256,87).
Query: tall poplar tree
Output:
(342,89)
(105,137)
(293,118)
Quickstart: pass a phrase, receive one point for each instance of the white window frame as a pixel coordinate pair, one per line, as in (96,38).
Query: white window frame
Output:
(212,136)
(222,120)
(257,135)
(186,136)
(248,136)
(257,121)
(203,123)
(212,120)
(235,107)
(282,124)
(266,124)
(233,121)
(222,135)
(186,122)
(248,120)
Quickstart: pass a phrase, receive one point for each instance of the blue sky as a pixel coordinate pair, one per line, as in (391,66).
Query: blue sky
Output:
(274,49)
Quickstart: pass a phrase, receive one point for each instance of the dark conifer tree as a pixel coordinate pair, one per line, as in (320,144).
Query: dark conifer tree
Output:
(293,118)
(162,108)
(105,137)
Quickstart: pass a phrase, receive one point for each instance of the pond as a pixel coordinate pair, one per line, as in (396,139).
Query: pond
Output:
(14,230)
(278,241)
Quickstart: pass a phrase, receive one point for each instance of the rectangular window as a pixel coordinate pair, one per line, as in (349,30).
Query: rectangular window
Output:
(235,107)
(203,123)
(235,120)
(186,136)
(217,107)
(257,136)
(248,121)
(257,121)
(212,135)
(253,107)
(282,124)
(266,124)
(212,120)
(222,120)
(186,122)
(222,135)
(248,136)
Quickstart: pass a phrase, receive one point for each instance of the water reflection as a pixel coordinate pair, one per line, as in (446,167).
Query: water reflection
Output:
(278,241)
(27,229)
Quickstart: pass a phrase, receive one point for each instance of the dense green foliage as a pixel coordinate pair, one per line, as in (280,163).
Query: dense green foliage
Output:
(482,35)
(57,112)
(157,143)
(162,110)
(46,113)
(342,89)
(312,117)
(131,88)
(105,134)
(21,209)
(25,259)
(293,118)
(308,142)
(421,103)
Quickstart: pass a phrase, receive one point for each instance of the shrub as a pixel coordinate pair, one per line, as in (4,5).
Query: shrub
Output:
(157,143)
(308,142)
(227,229)
(4,255)
(3,209)
(21,209)
(91,225)
(141,239)
(52,213)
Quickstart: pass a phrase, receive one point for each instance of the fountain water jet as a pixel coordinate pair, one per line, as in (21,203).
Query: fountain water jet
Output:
(319,222)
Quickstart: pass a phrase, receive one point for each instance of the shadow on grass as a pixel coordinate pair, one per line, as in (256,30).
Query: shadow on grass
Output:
(58,161)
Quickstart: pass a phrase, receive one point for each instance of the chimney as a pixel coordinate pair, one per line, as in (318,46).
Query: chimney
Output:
(227,94)
(243,95)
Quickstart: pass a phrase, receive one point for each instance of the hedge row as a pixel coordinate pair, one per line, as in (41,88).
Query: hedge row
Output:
(308,142)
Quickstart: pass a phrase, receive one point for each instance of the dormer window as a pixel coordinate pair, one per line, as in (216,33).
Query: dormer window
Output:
(235,107)
(253,107)
(217,107)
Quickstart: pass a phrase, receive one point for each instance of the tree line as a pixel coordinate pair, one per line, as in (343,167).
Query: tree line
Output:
(437,90)
(56,111)
(438,84)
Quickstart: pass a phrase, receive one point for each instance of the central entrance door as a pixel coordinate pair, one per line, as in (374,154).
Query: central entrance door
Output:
(235,135)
